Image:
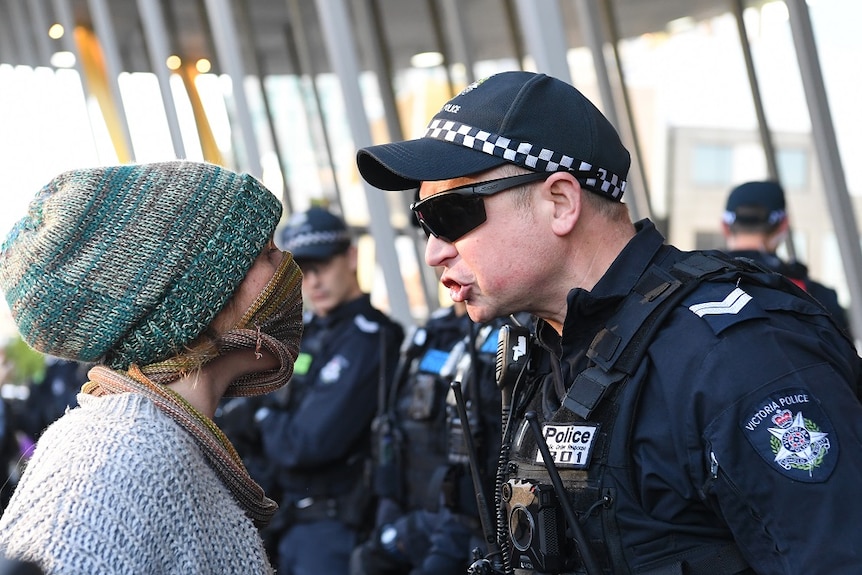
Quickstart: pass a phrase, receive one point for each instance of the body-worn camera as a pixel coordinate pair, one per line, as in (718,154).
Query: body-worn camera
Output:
(537,527)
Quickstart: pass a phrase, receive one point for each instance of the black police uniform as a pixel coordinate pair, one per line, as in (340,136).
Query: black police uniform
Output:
(733,446)
(319,434)
(428,518)
(24,420)
(8,454)
(55,394)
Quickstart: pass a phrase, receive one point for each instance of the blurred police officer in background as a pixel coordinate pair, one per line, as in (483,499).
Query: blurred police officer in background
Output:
(51,390)
(317,435)
(755,224)
(52,395)
(428,520)
(8,453)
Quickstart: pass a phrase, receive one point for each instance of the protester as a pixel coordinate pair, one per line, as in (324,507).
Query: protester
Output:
(702,418)
(755,224)
(164,275)
(318,435)
(428,519)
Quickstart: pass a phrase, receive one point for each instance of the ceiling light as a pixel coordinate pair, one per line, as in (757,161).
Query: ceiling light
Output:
(63,59)
(56,31)
(426,59)
(680,25)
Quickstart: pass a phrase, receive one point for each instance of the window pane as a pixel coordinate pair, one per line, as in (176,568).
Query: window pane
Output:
(793,167)
(712,164)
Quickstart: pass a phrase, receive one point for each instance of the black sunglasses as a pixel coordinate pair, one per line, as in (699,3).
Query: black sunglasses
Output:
(452,214)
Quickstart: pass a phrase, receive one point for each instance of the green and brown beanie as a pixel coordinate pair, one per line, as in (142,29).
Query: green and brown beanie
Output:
(129,264)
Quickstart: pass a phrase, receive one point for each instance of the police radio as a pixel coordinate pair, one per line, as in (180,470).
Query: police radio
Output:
(513,355)
(465,372)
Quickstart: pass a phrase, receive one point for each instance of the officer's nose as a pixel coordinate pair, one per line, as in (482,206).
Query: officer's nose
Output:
(438,251)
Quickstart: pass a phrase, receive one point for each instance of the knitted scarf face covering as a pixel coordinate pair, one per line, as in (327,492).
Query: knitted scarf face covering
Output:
(273,322)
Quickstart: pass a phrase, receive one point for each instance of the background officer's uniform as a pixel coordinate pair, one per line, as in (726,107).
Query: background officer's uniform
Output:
(758,209)
(310,446)
(428,521)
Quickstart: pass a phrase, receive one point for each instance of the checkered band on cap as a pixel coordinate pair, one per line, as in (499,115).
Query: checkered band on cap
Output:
(129,264)
(527,155)
(315,234)
(771,219)
(314,238)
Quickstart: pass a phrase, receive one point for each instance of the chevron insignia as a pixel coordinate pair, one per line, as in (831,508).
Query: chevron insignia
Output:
(732,304)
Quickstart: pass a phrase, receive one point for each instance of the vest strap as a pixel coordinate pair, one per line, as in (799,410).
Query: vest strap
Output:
(588,389)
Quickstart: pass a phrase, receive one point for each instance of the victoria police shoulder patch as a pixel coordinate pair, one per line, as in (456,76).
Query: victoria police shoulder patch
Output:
(331,372)
(790,431)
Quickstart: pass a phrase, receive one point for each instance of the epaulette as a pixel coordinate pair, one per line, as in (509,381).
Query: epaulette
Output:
(366,325)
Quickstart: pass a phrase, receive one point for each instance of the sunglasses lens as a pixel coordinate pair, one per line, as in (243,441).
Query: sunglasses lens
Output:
(450,216)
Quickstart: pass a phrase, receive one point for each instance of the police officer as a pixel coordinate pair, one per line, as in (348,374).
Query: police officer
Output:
(52,395)
(8,453)
(699,415)
(428,519)
(318,433)
(755,223)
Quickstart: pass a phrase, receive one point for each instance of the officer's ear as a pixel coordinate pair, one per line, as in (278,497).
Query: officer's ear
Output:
(778,235)
(352,255)
(566,201)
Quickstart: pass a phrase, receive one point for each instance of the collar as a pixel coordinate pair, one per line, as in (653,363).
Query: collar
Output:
(599,303)
(629,265)
(771,261)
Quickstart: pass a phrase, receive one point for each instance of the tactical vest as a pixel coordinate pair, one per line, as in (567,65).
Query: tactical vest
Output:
(534,533)
(419,437)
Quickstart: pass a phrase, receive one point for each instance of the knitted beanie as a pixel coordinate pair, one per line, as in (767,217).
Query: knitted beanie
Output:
(128,264)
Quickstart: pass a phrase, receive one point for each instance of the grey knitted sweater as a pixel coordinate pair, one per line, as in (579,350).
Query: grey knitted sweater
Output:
(116,486)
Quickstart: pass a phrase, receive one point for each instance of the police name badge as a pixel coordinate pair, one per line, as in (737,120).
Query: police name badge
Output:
(571,445)
(790,431)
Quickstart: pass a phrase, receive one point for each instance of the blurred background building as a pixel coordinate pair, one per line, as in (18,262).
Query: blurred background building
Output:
(706,94)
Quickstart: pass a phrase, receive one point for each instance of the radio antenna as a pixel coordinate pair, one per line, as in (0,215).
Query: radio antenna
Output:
(481,499)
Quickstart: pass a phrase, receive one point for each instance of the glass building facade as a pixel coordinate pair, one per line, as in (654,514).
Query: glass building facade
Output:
(706,94)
